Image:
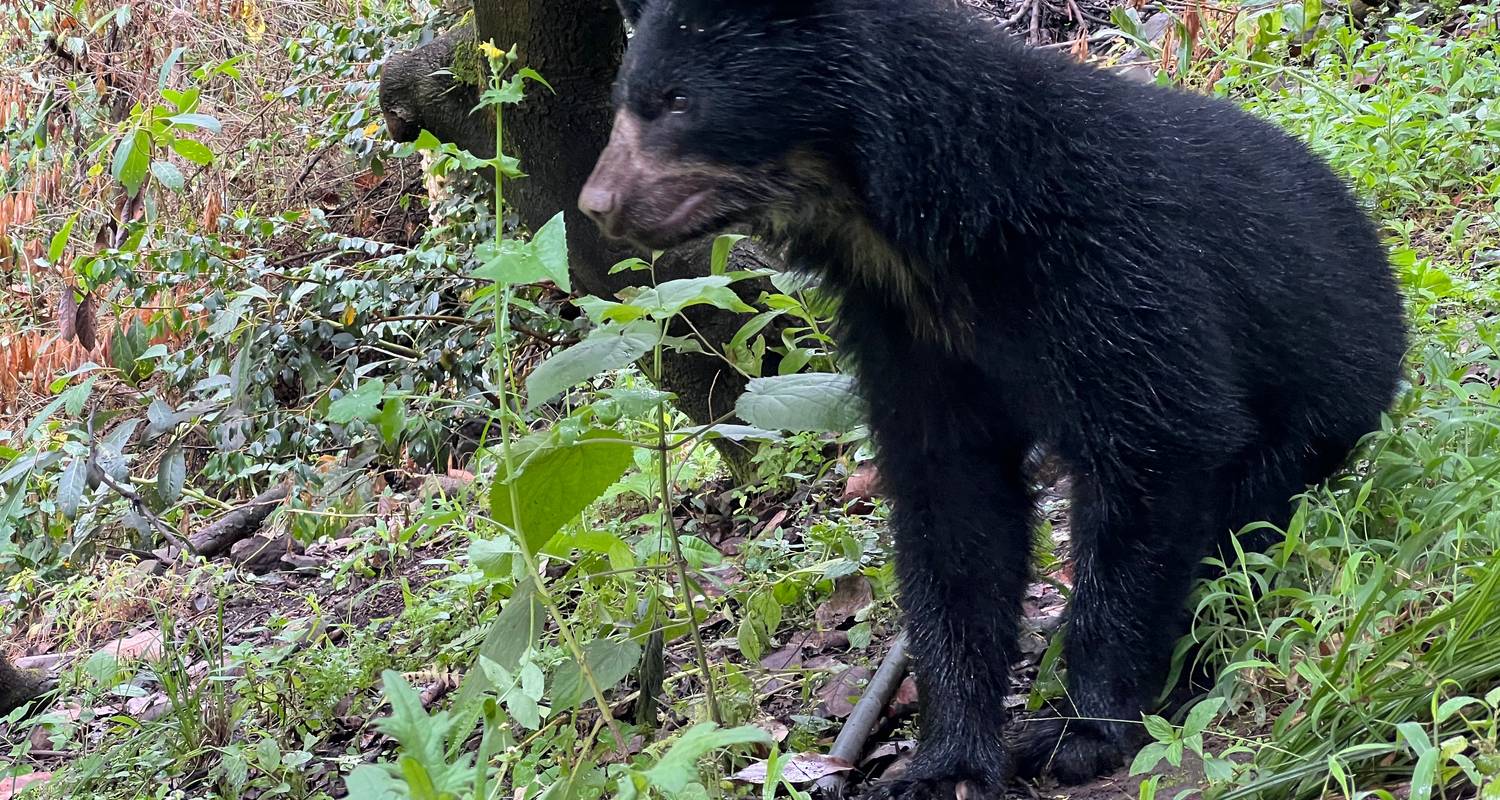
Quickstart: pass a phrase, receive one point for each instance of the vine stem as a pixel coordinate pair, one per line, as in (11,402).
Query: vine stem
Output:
(503,297)
(670,524)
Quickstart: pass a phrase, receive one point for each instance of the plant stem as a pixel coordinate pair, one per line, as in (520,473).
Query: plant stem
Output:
(503,296)
(671,530)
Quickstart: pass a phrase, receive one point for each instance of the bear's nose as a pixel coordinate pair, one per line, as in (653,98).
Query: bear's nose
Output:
(600,204)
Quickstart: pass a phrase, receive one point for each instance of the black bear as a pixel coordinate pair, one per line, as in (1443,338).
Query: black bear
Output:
(1178,300)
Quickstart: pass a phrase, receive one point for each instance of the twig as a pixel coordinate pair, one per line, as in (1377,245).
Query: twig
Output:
(850,744)
(136,501)
(1036,22)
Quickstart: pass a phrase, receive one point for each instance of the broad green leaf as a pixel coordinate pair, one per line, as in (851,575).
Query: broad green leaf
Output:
(1160,729)
(132,160)
(550,248)
(610,662)
(392,420)
(168,175)
(670,298)
(815,401)
(723,246)
(1202,714)
(371,782)
(59,243)
(195,121)
(514,632)
(71,486)
(750,640)
(194,151)
(493,557)
(362,403)
(171,475)
(679,766)
(559,482)
(607,348)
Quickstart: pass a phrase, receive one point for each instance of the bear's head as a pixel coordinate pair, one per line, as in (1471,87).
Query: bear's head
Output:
(724,115)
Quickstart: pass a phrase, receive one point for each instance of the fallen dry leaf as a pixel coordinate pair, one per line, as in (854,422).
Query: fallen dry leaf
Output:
(146,645)
(851,595)
(10,787)
(799,768)
(842,691)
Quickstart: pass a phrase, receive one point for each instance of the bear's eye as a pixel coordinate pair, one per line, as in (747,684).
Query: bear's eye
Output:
(678,103)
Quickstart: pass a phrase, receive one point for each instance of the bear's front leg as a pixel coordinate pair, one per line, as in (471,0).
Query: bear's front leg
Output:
(962,517)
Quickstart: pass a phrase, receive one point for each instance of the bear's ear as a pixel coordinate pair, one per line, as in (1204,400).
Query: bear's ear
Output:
(631,10)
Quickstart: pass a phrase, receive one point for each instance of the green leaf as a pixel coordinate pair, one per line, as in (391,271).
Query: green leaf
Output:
(132,159)
(171,475)
(550,248)
(196,152)
(493,557)
(1147,759)
(559,482)
(670,298)
(59,243)
(362,403)
(679,766)
(750,639)
(1160,729)
(71,486)
(723,246)
(513,633)
(1202,714)
(392,420)
(608,348)
(195,121)
(168,175)
(821,402)
(610,662)
(164,75)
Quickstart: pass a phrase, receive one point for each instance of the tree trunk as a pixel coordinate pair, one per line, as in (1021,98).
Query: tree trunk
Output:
(576,45)
(16,687)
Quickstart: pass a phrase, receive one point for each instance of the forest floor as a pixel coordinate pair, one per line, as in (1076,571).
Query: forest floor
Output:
(263,671)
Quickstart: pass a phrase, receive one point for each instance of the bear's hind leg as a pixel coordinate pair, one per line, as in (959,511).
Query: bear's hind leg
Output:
(1135,559)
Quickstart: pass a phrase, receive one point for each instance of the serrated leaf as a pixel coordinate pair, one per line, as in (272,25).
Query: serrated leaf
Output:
(679,766)
(559,482)
(171,475)
(609,661)
(822,402)
(608,348)
(168,175)
(362,403)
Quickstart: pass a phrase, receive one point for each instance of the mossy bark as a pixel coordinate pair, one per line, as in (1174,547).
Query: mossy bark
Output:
(17,687)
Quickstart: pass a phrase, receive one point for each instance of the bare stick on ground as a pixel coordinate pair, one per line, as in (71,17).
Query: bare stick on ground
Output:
(851,741)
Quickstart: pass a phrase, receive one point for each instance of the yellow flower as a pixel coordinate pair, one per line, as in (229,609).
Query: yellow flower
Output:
(490,50)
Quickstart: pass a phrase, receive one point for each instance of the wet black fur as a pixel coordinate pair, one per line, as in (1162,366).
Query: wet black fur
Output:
(1178,299)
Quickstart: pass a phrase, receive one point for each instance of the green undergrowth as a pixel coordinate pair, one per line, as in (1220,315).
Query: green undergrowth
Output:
(1364,652)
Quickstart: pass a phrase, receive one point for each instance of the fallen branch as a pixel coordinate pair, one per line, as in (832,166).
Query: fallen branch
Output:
(851,741)
(221,534)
